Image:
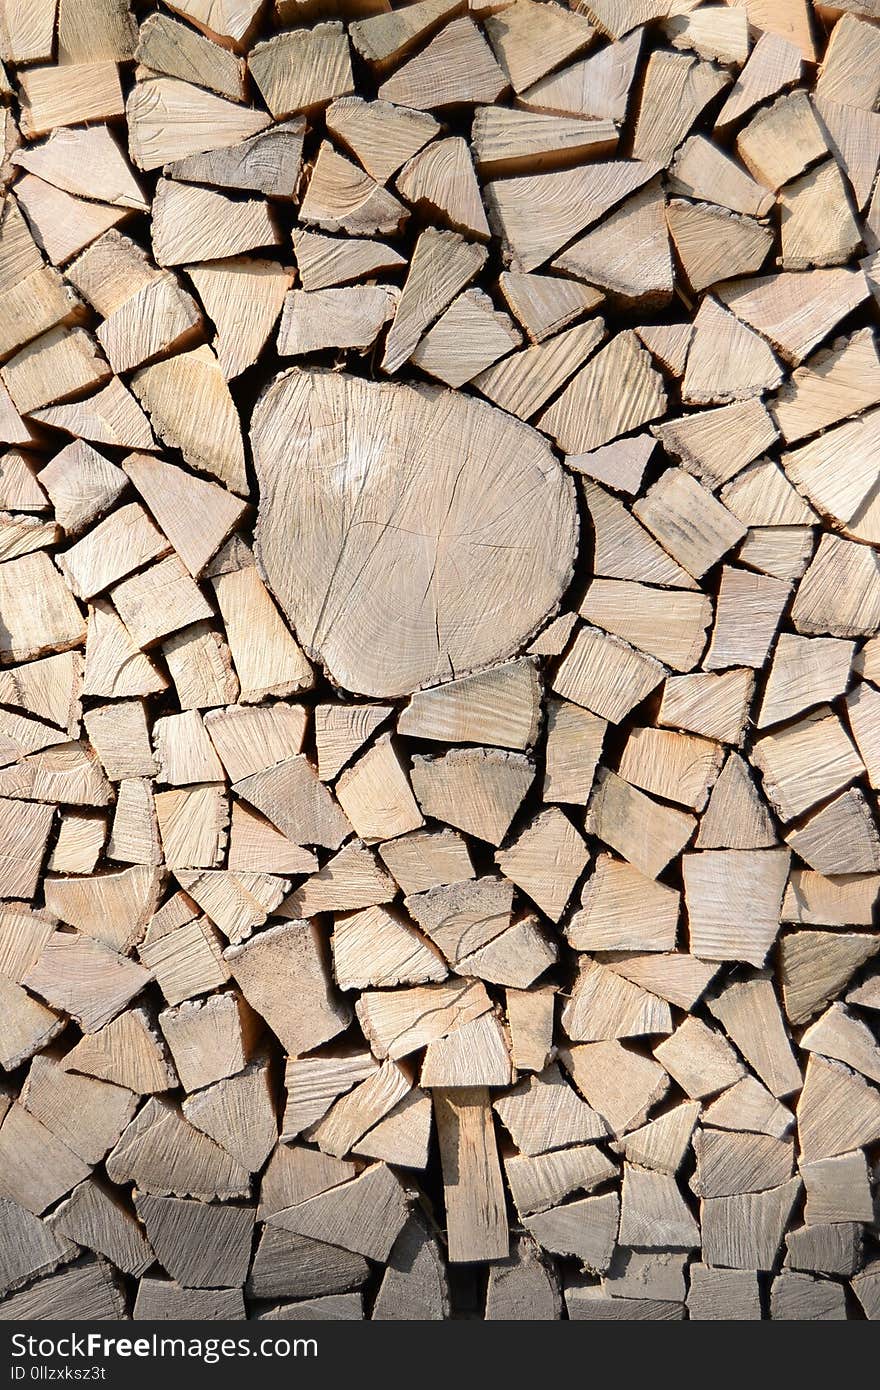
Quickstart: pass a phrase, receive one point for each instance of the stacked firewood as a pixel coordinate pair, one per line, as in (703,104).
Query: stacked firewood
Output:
(440,642)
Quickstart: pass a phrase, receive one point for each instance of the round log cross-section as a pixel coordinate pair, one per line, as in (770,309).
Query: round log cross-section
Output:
(410,535)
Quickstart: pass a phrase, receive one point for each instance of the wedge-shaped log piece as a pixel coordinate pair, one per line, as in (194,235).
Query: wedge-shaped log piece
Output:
(381,136)
(628,254)
(622,910)
(85,979)
(745,1231)
(817,224)
(31,1247)
(729,1164)
(586,416)
(375,948)
(478,790)
(189,403)
(282,973)
(113,908)
(401,1021)
(238,1113)
(661,1144)
(837,1189)
(164,46)
(441,180)
(364,1215)
(313,1084)
(715,882)
(376,795)
(38,1167)
(643,831)
(522,382)
(474,1055)
(87,1291)
(700,170)
(749,1013)
(677,89)
(544,1112)
(806,671)
(545,860)
(461,917)
(586,1228)
(128,1051)
(196,515)
(521,142)
(603,1006)
(537,214)
(343,198)
(676,767)
(267,658)
(748,612)
(605,674)
(25,829)
(456,68)
(467,339)
(499,707)
(633,612)
(351,879)
(716,444)
(540,1182)
(522,1286)
(192,223)
(544,304)
(714,244)
(815,967)
(782,140)
(351,317)
(688,521)
(165,1156)
(200,1244)
(210,1038)
(171,120)
(302,69)
(727,361)
(292,797)
(622,1086)
(573,749)
(94,1217)
(840,1035)
(806,762)
(653,1212)
(838,1111)
(266,162)
(324,261)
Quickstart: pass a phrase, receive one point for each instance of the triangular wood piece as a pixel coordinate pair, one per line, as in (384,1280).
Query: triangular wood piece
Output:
(628,254)
(324,261)
(545,304)
(381,136)
(456,67)
(727,361)
(243,299)
(713,244)
(342,197)
(191,409)
(598,86)
(530,40)
(442,264)
(537,214)
(197,516)
(589,413)
(441,178)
